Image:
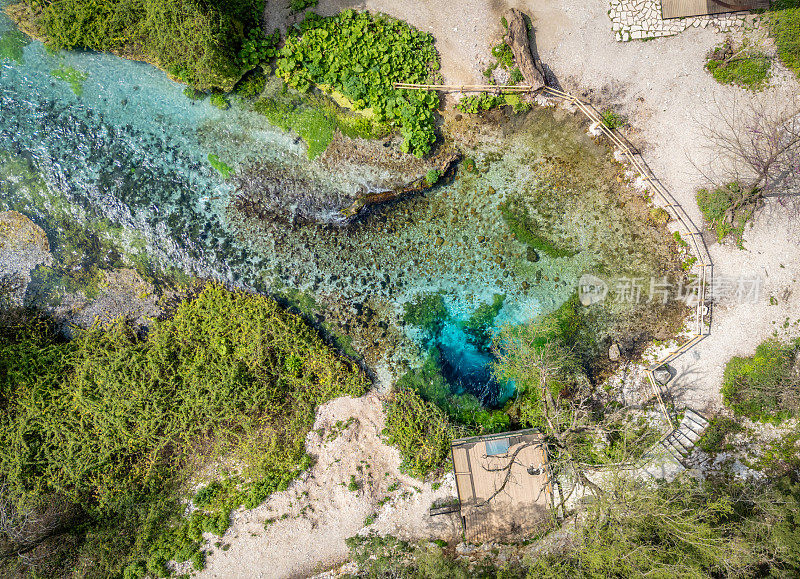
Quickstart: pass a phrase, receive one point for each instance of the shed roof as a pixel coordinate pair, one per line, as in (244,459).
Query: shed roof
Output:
(682,8)
(503,483)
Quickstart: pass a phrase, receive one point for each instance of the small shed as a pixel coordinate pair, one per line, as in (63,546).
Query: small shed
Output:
(503,483)
(684,8)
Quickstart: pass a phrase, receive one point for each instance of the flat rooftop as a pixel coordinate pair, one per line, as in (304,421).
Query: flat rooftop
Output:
(503,483)
(683,8)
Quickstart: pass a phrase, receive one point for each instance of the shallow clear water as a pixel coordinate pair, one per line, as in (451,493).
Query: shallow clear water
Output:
(132,151)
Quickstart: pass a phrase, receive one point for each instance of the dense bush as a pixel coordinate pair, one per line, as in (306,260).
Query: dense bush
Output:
(419,429)
(110,421)
(205,44)
(766,386)
(362,55)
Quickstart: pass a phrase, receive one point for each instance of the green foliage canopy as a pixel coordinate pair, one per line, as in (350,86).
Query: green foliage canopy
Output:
(764,387)
(362,56)
(205,44)
(112,422)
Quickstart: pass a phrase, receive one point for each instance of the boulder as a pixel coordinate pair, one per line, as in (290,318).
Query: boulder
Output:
(662,375)
(614,353)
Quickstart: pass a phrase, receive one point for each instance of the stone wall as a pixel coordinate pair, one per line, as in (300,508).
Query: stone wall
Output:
(641,19)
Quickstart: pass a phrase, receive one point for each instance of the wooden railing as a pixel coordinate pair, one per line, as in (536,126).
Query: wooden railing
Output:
(703,267)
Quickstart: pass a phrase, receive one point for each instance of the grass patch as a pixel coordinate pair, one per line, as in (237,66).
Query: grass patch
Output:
(784,27)
(751,72)
(475,104)
(764,387)
(72,76)
(714,206)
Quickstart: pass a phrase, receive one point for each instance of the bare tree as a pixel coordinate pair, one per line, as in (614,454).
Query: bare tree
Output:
(755,145)
(565,403)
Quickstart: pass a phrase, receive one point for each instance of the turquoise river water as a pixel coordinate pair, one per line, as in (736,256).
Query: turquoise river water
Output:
(131,153)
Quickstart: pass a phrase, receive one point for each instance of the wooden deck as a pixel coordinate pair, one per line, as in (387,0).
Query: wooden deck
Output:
(495,502)
(682,8)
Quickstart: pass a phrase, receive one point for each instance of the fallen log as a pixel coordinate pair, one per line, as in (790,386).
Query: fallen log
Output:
(416,186)
(517,39)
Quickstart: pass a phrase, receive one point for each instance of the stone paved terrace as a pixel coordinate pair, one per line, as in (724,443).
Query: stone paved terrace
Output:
(641,19)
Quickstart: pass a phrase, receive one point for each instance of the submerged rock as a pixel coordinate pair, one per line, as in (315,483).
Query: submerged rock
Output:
(23,246)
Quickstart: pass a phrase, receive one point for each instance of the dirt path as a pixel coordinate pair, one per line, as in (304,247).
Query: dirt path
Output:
(314,517)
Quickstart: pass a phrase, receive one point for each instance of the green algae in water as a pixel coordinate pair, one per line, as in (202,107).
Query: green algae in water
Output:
(526,230)
(480,325)
(11,44)
(74,77)
(224,169)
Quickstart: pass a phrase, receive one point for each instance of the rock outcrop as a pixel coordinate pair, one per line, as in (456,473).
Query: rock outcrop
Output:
(23,246)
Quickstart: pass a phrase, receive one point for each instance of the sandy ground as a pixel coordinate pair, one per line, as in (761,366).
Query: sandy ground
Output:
(314,517)
(662,87)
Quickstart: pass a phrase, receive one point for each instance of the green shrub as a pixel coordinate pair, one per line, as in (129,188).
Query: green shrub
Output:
(613,120)
(300,5)
(206,45)
(784,27)
(432,176)
(505,57)
(194,94)
(714,205)
(251,85)
(763,387)
(117,418)
(750,72)
(218,100)
(716,435)
(516,76)
(419,430)
(361,56)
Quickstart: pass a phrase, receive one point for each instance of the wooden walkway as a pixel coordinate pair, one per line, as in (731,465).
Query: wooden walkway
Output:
(683,8)
(702,268)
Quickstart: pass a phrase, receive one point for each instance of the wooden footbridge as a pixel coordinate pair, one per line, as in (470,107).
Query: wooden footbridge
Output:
(702,269)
